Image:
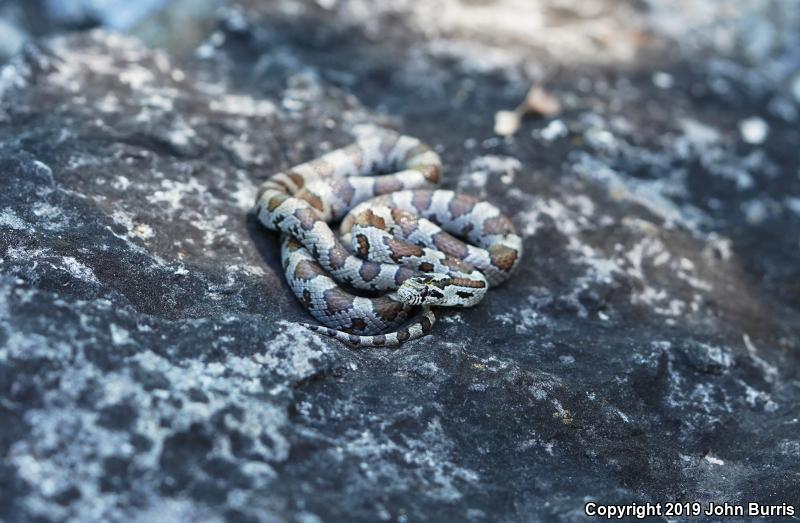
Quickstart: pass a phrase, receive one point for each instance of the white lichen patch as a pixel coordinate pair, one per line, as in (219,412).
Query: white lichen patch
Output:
(646,261)
(119,335)
(143,231)
(70,441)
(244,194)
(650,194)
(241,105)
(121,183)
(758,399)
(243,149)
(554,130)
(482,169)
(79,270)
(526,317)
(13,75)
(770,371)
(9,218)
(49,217)
(424,460)
(696,135)
(754,130)
(181,134)
(173,192)
(30,258)
(294,353)
(133,228)
(20,345)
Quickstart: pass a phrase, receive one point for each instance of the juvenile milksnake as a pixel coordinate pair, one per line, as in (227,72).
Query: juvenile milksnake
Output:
(402,252)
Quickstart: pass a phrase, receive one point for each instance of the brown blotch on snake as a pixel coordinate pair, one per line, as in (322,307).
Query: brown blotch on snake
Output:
(362,247)
(312,199)
(400,249)
(307,270)
(498,225)
(422,200)
(337,300)
(358,324)
(389,310)
(405,220)
(343,188)
(370,219)
(274,202)
(447,243)
(385,185)
(425,323)
(296,178)
(469,283)
(432,173)
(306,217)
(461,205)
(338,255)
(425,267)
(306,301)
(503,257)
(369,271)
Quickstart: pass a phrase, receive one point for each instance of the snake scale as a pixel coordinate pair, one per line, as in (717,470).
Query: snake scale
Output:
(399,247)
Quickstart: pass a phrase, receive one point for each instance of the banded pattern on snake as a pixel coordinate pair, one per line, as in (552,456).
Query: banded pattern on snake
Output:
(400,234)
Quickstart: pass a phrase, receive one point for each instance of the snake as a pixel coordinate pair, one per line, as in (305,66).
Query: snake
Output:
(404,246)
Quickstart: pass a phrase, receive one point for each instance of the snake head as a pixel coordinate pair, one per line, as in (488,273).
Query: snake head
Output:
(423,290)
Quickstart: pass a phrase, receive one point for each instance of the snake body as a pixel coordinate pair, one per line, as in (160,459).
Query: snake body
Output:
(398,248)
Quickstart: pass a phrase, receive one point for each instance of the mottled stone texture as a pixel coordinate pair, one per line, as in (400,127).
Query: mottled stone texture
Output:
(647,350)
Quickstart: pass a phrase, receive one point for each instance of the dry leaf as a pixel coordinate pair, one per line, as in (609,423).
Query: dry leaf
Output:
(506,123)
(541,102)
(537,101)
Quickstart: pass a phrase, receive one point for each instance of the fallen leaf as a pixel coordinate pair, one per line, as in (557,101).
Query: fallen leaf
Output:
(506,123)
(541,102)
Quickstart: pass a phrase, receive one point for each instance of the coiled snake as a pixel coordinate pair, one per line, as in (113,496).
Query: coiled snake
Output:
(401,235)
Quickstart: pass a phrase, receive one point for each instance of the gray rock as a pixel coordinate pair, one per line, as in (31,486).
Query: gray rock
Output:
(150,368)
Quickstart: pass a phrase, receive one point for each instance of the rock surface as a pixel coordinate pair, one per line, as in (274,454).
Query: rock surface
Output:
(647,350)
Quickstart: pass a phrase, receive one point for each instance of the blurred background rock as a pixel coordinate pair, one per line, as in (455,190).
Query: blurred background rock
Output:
(762,35)
(175,25)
